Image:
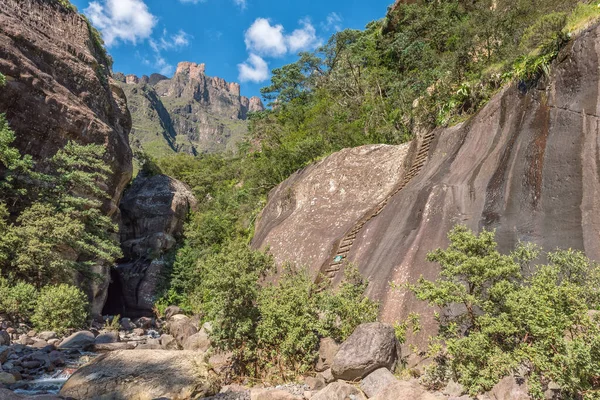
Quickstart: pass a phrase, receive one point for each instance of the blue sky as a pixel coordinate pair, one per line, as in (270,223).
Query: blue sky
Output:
(238,40)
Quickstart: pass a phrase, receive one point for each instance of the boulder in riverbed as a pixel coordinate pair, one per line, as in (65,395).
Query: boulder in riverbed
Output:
(141,375)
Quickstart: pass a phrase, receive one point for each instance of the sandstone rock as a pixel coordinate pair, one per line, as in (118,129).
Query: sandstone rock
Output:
(47,335)
(161,374)
(170,311)
(370,347)
(198,341)
(315,383)
(339,391)
(153,211)
(6,378)
(327,376)
(107,337)
(59,89)
(79,340)
(510,388)
(327,351)
(168,342)
(454,389)
(525,165)
(104,347)
(182,329)
(272,394)
(406,390)
(376,381)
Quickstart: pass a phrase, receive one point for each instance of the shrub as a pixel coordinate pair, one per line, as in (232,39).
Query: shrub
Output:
(508,314)
(289,328)
(60,309)
(18,300)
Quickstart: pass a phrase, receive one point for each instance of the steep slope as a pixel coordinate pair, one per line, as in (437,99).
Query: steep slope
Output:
(59,89)
(191,112)
(527,165)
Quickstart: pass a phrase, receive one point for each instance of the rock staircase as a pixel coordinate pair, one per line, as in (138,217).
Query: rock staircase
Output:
(340,255)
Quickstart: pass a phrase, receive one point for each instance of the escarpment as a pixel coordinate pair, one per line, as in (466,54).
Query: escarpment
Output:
(527,166)
(59,89)
(190,112)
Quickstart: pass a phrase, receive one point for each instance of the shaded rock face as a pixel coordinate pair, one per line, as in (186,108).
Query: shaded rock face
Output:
(153,212)
(191,112)
(59,89)
(143,375)
(527,165)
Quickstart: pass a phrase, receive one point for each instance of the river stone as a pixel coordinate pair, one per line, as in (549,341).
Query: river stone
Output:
(79,340)
(370,347)
(339,391)
(6,378)
(47,335)
(376,381)
(143,375)
(107,337)
(4,338)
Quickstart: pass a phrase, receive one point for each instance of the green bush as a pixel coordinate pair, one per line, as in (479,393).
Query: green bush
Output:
(18,300)
(510,315)
(60,309)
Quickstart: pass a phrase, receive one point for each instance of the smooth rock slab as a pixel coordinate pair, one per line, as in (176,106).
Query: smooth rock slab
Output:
(370,347)
(142,375)
(339,391)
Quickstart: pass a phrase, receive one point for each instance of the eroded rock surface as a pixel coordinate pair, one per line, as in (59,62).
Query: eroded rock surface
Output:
(153,212)
(527,165)
(143,375)
(309,212)
(59,89)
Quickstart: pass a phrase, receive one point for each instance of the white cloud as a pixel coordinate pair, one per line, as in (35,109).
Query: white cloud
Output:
(171,42)
(240,3)
(304,38)
(264,39)
(121,20)
(165,43)
(255,69)
(333,22)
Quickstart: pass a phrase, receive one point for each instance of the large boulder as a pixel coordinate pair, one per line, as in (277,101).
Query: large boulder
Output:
(153,211)
(510,388)
(142,375)
(370,347)
(525,166)
(339,391)
(182,329)
(328,348)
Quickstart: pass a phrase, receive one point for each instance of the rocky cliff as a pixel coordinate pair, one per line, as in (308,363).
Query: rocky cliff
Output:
(191,112)
(59,88)
(527,165)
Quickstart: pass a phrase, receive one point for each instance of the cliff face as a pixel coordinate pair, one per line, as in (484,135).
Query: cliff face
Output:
(191,112)
(59,89)
(527,165)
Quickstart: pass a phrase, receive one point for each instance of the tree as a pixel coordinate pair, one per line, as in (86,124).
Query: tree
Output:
(498,314)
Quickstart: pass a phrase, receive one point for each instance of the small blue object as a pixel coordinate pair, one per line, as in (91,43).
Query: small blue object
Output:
(338,258)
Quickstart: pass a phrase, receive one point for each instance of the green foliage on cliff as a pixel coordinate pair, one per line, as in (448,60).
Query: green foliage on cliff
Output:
(52,223)
(510,315)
